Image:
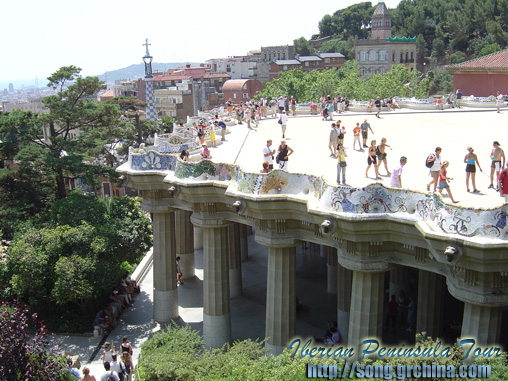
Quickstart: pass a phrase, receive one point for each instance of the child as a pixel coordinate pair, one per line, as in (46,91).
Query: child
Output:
(443,181)
(212,135)
(356,132)
(107,354)
(205,153)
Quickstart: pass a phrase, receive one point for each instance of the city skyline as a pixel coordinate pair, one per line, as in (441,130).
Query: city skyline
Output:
(50,35)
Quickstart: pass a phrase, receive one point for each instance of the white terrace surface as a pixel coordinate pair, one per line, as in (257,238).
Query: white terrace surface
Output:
(413,134)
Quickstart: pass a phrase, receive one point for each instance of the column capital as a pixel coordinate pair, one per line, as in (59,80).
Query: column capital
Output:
(209,221)
(279,241)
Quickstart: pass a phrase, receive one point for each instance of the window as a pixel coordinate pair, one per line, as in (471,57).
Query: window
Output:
(382,55)
(327,60)
(372,55)
(234,95)
(284,67)
(245,95)
(306,63)
(363,55)
(245,86)
(283,55)
(393,56)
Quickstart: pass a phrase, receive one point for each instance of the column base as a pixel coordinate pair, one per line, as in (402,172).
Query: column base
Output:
(235,283)
(343,326)
(165,305)
(216,330)
(271,349)
(331,276)
(187,265)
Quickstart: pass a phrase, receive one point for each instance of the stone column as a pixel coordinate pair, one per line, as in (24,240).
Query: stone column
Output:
(428,311)
(398,281)
(198,237)
(344,283)
(249,230)
(185,243)
(280,298)
(244,243)
(165,295)
(323,252)
(481,323)
(331,269)
(366,317)
(216,307)
(235,261)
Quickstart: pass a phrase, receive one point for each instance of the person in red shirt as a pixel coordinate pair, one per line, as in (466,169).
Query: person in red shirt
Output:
(503,183)
(391,315)
(356,132)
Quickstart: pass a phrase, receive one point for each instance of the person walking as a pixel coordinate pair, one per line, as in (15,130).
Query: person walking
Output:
(283,153)
(381,155)
(283,120)
(341,130)
(434,163)
(341,163)
(498,160)
(458,96)
(443,180)
(178,272)
(333,140)
(372,159)
(365,126)
(356,133)
(378,107)
(396,181)
(471,160)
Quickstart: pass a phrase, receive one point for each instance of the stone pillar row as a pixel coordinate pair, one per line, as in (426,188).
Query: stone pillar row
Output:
(280,298)
(235,261)
(165,295)
(185,243)
(430,301)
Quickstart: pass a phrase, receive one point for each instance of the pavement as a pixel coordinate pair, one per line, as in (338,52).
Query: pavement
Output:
(409,133)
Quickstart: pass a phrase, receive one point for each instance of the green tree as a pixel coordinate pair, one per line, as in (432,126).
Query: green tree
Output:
(353,21)
(457,57)
(489,49)
(346,47)
(303,47)
(76,129)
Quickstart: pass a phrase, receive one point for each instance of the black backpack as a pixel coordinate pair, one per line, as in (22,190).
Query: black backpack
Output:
(428,163)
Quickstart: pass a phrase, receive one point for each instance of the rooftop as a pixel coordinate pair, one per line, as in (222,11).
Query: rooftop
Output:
(498,60)
(288,62)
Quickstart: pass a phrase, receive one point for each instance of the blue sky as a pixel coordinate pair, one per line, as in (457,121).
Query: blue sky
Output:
(41,36)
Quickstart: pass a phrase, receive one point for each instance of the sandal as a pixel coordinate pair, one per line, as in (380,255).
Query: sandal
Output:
(428,188)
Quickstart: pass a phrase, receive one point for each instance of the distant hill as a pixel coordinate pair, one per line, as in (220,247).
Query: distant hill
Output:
(138,71)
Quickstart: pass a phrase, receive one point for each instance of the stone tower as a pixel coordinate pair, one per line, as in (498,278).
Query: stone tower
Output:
(381,22)
(150,100)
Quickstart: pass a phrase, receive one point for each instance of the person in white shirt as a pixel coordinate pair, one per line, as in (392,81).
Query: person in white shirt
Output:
(284,121)
(268,154)
(396,180)
(109,373)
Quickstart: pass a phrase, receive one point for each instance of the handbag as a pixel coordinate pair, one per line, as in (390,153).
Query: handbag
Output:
(277,159)
(343,164)
(280,121)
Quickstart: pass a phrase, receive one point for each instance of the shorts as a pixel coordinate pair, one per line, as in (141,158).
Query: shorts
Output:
(496,164)
(471,168)
(371,160)
(333,143)
(381,156)
(281,108)
(293,107)
(365,134)
(283,126)
(357,138)
(434,174)
(442,184)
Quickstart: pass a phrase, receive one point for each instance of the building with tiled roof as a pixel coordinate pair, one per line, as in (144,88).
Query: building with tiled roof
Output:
(239,90)
(482,76)
(320,62)
(381,52)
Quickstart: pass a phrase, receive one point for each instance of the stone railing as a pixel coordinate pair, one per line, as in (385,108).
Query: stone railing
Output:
(373,200)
